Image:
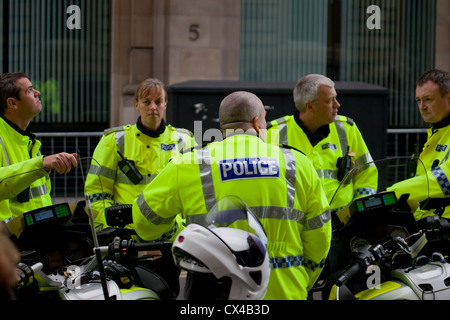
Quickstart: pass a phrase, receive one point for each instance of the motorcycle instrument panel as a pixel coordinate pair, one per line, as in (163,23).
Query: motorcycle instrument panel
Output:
(59,213)
(377,201)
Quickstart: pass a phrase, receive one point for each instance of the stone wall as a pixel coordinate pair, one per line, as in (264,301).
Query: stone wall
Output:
(180,40)
(173,40)
(443,35)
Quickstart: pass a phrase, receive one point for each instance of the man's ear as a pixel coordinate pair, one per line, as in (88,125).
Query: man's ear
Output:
(308,105)
(256,124)
(11,103)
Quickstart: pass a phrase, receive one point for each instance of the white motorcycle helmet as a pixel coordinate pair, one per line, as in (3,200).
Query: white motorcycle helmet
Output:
(226,256)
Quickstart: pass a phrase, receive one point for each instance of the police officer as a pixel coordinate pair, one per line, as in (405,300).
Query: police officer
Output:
(129,157)
(24,171)
(280,185)
(431,184)
(332,142)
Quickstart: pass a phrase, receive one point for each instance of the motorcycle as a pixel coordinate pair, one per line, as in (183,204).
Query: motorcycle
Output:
(56,240)
(61,260)
(96,278)
(378,244)
(77,267)
(394,270)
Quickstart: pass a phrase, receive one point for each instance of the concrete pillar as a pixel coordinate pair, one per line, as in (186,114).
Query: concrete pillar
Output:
(173,40)
(442,35)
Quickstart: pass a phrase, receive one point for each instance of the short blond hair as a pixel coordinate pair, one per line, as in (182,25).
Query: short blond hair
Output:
(150,86)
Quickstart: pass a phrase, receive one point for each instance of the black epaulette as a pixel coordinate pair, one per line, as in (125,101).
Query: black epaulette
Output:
(182,130)
(193,148)
(285,146)
(350,121)
(114,129)
(276,122)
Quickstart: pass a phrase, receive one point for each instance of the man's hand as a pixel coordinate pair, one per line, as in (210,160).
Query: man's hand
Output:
(9,258)
(61,162)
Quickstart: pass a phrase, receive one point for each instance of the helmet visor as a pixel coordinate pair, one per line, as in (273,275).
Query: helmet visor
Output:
(232,212)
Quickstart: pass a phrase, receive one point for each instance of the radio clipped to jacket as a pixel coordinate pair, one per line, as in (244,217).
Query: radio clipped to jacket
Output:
(345,164)
(129,169)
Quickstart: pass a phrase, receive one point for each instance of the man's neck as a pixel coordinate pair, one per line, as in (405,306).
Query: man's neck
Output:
(308,122)
(443,123)
(20,123)
(313,137)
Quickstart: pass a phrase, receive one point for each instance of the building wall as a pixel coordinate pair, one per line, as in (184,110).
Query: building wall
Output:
(173,40)
(132,54)
(443,35)
(179,40)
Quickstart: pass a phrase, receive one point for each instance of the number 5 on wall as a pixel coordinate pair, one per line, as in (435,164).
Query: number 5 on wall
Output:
(194,32)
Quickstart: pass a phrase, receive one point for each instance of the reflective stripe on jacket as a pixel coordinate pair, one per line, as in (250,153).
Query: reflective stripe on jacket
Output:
(344,136)
(20,154)
(432,174)
(107,185)
(279,185)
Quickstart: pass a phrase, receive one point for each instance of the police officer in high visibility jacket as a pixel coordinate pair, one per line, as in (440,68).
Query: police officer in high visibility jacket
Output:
(24,171)
(128,158)
(332,142)
(431,184)
(279,184)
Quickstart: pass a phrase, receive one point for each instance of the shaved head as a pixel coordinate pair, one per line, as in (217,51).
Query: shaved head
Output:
(240,107)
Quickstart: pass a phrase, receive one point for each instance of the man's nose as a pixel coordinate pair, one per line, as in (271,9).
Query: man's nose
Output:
(337,104)
(422,104)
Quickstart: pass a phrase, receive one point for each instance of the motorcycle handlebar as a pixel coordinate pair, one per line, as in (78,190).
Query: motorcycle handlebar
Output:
(365,256)
(437,228)
(150,246)
(348,273)
(25,273)
(119,248)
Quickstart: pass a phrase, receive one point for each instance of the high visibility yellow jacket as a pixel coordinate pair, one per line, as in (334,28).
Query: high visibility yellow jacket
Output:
(21,192)
(107,185)
(279,185)
(433,171)
(339,137)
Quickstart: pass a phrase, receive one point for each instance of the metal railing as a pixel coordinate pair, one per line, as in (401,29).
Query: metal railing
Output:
(405,142)
(401,142)
(70,187)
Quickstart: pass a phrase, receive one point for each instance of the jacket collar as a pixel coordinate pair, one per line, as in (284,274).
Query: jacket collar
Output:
(244,134)
(151,133)
(316,137)
(26,133)
(442,124)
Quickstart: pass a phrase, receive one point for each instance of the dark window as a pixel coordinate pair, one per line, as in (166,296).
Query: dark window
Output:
(70,66)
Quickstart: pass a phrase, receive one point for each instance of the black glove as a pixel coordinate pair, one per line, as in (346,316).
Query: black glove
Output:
(120,274)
